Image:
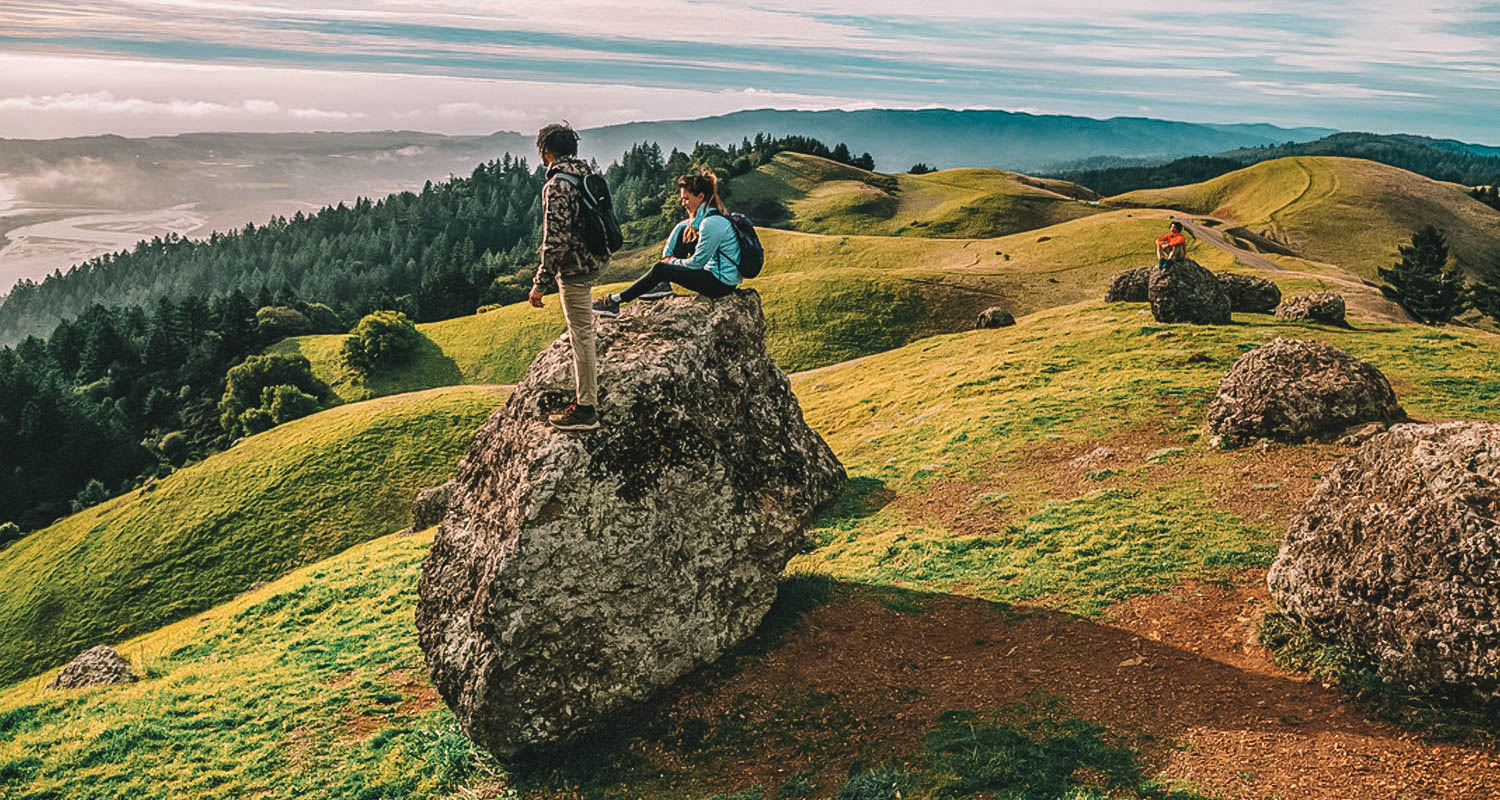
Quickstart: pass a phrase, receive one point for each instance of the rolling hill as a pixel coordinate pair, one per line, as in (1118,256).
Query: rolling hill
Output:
(278,500)
(814,195)
(1345,211)
(972,568)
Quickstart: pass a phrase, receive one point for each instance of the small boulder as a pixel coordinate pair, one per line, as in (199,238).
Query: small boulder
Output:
(430,506)
(1325,307)
(995,317)
(1292,390)
(577,574)
(1397,555)
(1129,286)
(1182,291)
(1249,294)
(96,666)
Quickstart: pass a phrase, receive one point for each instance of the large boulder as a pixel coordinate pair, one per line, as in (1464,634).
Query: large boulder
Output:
(995,317)
(1292,390)
(1397,554)
(1249,294)
(576,574)
(96,666)
(1182,291)
(1325,307)
(1129,286)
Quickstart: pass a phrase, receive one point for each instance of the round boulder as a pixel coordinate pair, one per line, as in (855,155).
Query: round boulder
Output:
(1182,291)
(1324,307)
(1128,286)
(1397,555)
(96,666)
(1292,390)
(1249,294)
(995,317)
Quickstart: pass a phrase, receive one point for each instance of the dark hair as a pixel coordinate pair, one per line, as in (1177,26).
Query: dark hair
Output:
(706,183)
(558,139)
(1176,226)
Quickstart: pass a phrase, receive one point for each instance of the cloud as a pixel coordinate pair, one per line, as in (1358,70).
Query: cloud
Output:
(107,103)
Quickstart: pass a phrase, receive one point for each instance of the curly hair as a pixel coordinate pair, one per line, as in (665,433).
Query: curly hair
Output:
(558,139)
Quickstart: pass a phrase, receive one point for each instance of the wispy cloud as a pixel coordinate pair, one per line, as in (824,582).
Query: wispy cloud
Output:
(1365,65)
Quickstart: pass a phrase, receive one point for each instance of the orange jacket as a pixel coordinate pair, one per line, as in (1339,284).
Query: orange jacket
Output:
(1172,240)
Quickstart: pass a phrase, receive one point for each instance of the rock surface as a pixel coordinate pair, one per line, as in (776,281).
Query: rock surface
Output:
(430,506)
(1182,291)
(1397,554)
(576,574)
(96,666)
(995,317)
(1249,294)
(1325,307)
(1128,286)
(1292,390)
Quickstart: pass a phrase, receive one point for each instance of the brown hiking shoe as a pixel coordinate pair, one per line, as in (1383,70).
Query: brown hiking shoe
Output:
(575,418)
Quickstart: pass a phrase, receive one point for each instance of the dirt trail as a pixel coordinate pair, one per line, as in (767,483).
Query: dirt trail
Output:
(1215,237)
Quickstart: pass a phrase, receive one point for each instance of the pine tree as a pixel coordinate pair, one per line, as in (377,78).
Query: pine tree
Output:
(1485,292)
(1422,282)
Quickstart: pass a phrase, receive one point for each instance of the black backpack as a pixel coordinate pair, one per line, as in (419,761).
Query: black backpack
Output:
(596,214)
(752,255)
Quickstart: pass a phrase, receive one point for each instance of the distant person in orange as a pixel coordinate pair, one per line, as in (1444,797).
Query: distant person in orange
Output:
(1172,247)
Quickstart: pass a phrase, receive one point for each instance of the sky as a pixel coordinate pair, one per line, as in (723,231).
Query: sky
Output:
(148,67)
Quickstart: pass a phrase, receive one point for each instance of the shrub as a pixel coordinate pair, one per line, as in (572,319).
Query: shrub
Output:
(251,388)
(919,169)
(381,339)
(285,403)
(321,318)
(174,447)
(9,532)
(92,494)
(275,323)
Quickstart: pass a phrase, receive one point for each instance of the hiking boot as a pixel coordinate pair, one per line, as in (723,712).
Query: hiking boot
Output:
(660,290)
(605,307)
(575,418)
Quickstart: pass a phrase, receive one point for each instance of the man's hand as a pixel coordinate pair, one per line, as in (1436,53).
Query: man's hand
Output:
(535,297)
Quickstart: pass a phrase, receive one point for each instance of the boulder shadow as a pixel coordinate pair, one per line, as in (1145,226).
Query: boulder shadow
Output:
(844,676)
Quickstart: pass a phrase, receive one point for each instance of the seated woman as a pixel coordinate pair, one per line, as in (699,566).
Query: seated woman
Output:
(711,269)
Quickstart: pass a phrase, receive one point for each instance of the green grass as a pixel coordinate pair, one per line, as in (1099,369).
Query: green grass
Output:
(814,195)
(1345,211)
(278,500)
(969,415)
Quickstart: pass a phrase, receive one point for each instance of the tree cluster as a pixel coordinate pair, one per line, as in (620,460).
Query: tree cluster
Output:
(1432,289)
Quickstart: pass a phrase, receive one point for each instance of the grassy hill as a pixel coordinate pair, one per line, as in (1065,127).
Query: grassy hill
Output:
(815,195)
(1345,211)
(827,299)
(964,500)
(288,497)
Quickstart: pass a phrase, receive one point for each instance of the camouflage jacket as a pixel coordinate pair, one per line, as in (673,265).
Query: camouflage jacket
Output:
(563,250)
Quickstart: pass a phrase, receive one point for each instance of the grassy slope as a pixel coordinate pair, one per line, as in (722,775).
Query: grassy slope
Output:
(959,451)
(1345,211)
(827,299)
(281,499)
(823,196)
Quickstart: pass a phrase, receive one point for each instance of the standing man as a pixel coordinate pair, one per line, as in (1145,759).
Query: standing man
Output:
(566,259)
(1172,246)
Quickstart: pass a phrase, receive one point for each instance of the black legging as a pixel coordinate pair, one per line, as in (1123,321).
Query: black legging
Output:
(696,280)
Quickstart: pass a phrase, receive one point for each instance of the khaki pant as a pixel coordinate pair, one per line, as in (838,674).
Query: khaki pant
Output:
(578,310)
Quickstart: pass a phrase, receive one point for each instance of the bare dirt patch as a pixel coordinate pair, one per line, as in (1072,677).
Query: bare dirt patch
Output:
(1178,673)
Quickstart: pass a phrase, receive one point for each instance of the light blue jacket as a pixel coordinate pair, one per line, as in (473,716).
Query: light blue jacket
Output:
(718,251)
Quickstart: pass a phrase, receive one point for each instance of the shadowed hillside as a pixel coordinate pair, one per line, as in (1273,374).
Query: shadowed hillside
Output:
(814,195)
(1345,211)
(291,496)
